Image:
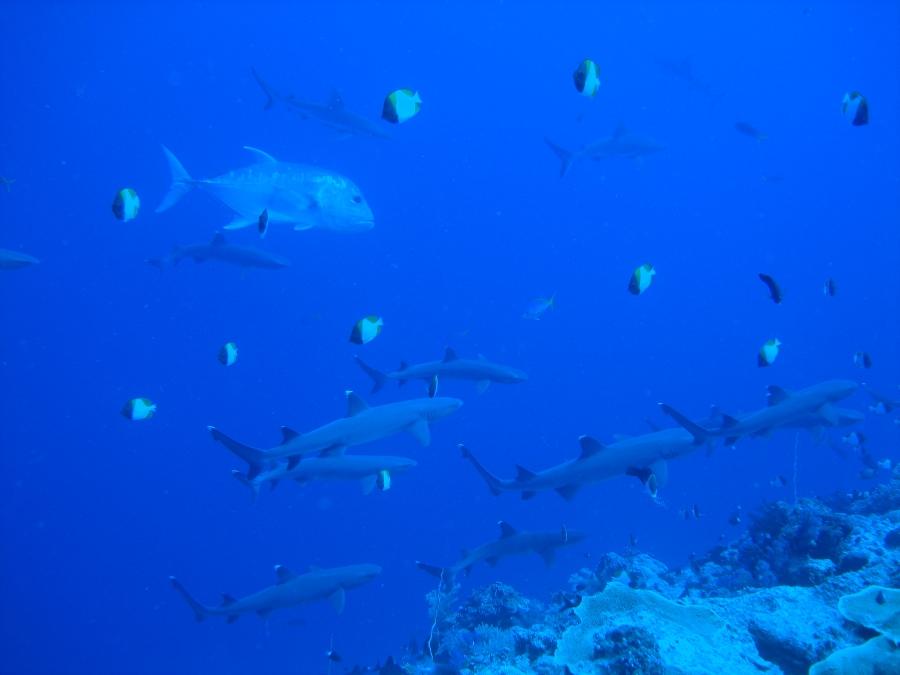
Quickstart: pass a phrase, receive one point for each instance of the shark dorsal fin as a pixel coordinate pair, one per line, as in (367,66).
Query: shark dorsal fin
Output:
(335,101)
(728,422)
(590,446)
(217,240)
(261,156)
(283,574)
(291,464)
(227,600)
(776,394)
(506,530)
(523,474)
(287,435)
(450,355)
(403,365)
(355,404)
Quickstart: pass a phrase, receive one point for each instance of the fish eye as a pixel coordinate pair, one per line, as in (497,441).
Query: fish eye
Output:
(357,199)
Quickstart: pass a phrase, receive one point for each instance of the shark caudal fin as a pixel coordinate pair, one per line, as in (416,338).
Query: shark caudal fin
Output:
(378,378)
(257,460)
(200,611)
(445,574)
(181,182)
(494,484)
(565,156)
(243,480)
(271,95)
(700,434)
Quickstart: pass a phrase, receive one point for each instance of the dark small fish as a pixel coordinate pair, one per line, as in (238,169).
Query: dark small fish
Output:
(862,360)
(569,601)
(772,285)
(751,131)
(880,598)
(830,288)
(262,225)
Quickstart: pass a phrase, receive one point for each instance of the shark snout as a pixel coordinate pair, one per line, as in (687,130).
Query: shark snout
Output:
(442,407)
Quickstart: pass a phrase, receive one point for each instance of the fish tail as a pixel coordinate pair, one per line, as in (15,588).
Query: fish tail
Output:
(200,611)
(565,156)
(378,378)
(494,484)
(256,459)
(252,484)
(445,574)
(271,94)
(181,182)
(701,434)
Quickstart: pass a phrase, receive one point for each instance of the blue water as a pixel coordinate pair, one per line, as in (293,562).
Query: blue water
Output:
(472,223)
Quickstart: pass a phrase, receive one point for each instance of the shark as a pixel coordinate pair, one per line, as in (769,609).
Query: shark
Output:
(332,114)
(301,196)
(373,471)
(289,590)
(362,424)
(219,249)
(812,407)
(479,370)
(644,457)
(14,260)
(511,542)
(620,144)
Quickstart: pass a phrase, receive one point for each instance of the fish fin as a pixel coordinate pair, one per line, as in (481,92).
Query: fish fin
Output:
(565,156)
(355,404)
(338,600)
(293,461)
(492,481)
(335,101)
(482,386)
(239,223)
(567,491)
(420,431)
(253,485)
(378,378)
(181,182)
(589,446)
(255,458)
(506,530)
(271,94)
(728,422)
(450,355)
(548,555)
(200,611)
(368,484)
(261,156)
(660,469)
(776,394)
(828,413)
(700,434)
(217,240)
(227,599)
(283,574)
(287,435)
(433,570)
(523,474)
(528,494)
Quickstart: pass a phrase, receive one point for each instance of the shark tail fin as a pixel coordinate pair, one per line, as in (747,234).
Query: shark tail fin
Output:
(271,94)
(181,182)
(378,378)
(243,480)
(565,156)
(445,574)
(256,459)
(700,434)
(200,611)
(494,484)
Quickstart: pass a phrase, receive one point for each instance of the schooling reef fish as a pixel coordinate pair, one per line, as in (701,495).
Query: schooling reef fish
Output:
(221,250)
(298,195)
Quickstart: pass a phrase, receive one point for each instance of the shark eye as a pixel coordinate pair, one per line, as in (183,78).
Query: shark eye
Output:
(357,199)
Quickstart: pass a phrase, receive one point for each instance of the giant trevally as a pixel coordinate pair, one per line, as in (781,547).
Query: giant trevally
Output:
(14,260)
(298,195)
(332,114)
(221,250)
(290,590)
(621,144)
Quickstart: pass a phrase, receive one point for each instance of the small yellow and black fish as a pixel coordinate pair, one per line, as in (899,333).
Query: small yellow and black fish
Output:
(139,409)
(768,353)
(862,360)
(856,108)
(751,131)
(772,285)
(126,205)
(537,307)
(641,279)
(830,287)
(587,78)
(401,105)
(262,224)
(366,329)
(228,354)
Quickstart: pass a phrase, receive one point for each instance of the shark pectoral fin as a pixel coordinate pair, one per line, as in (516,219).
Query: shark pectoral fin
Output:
(483,385)
(567,491)
(368,484)
(240,223)
(548,555)
(828,413)
(338,600)
(420,431)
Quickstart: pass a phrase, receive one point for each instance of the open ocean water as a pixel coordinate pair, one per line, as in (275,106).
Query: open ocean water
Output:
(748,166)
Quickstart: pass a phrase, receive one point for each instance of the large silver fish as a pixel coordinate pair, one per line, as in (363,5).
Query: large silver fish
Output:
(298,195)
